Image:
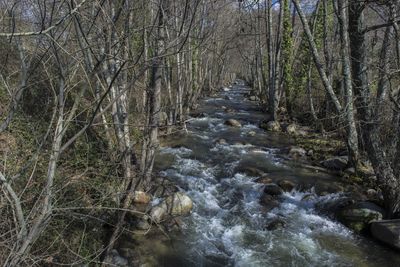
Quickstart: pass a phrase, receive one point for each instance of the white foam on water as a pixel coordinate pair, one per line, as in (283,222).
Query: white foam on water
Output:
(181,151)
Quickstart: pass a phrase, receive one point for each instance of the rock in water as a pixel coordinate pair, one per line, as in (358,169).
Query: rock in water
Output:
(273,190)
(358,216)
(272,126)
(287,185)
(276,224)
(221,141)
(269,202)
(263,180)
(233,123)
(387,231)
(252,133)
(175,205)
(336,163)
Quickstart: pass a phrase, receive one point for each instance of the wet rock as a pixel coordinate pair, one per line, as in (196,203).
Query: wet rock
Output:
(253,98)
(330,188)
(250,171)
(163,188)
(297,152)
(227,97)
(175,205)
(272,126)
(221,141)
(334,206)
(276,224)
(268,202)
(263,180)
(387,231)
(199,115)
(114,259)
(273,190)
(233,123)
(336,163)
(308,197)
(287,185)
(229,110)
(358,216)
(375,197)
(141,197)
(252,133)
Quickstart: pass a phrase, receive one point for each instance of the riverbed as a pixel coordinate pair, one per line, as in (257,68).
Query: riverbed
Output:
(228,225)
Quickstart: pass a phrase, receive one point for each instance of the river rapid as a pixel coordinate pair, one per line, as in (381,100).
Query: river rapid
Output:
(228,224)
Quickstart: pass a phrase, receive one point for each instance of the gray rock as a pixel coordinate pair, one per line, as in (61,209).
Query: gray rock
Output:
(387,231)
(336,163)
(297,152)
(272,126)
(233,123)
(175,205)
(291,129)
(252,133)
(253,98)
(114,259)
(221,141)
(273,190)
(358,216)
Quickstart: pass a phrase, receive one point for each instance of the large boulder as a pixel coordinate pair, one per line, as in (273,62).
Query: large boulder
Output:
(336,163)
(175,205)
(272,126)
(233,123)
(387,231)
(358,216)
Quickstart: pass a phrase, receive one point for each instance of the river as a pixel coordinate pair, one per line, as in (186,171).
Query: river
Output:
(228,225)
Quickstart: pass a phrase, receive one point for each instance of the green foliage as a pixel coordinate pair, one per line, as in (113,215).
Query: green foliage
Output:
(304,59)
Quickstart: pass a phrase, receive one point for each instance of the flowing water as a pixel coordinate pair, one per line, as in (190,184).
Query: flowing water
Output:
(228,225)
